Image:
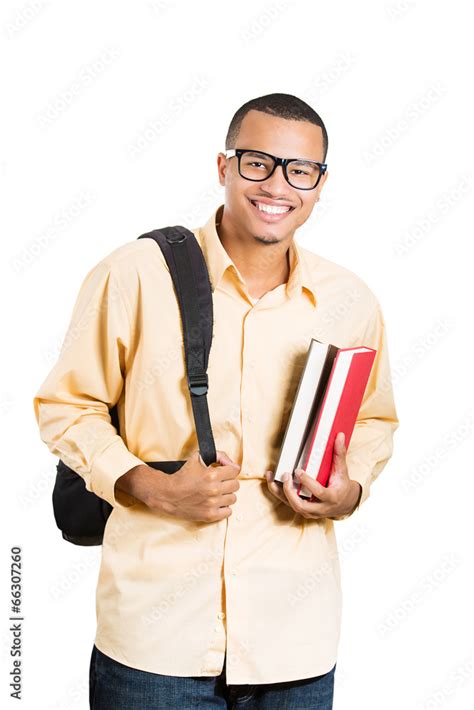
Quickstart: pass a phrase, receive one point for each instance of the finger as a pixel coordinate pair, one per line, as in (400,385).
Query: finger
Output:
(290,488)
(301,505)
(275,488)
(316,488)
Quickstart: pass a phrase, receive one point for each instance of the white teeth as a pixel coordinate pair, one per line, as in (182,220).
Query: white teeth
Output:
(271,209)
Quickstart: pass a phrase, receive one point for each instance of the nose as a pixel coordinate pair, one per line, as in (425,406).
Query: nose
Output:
(276,184)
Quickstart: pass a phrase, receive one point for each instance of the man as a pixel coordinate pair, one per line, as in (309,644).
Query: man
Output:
(216,583)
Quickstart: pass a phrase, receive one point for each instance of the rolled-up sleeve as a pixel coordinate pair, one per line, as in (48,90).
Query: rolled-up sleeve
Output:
(371,444)
(72,405)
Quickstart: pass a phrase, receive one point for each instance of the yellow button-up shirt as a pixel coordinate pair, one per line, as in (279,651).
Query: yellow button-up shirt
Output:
(263,584)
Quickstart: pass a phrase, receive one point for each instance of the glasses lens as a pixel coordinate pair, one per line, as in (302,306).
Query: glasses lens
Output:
(303,174)
(255,166)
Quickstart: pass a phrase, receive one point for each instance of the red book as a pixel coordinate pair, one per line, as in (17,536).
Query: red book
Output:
(338,412)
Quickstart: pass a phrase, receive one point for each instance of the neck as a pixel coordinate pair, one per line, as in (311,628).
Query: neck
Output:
(264,265)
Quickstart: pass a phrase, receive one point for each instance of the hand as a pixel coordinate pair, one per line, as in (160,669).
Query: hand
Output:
(194,492)
(340,497)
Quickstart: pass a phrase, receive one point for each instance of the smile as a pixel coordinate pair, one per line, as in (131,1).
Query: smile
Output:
(272,213)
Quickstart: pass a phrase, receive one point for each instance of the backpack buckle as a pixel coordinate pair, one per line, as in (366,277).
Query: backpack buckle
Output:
(198,384)
(175,237)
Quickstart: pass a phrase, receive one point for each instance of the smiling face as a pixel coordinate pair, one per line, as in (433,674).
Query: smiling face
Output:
(284,138)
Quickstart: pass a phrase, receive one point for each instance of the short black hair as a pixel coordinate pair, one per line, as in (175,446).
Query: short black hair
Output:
(281,105)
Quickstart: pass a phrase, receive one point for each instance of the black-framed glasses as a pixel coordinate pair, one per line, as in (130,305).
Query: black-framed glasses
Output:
(257,166)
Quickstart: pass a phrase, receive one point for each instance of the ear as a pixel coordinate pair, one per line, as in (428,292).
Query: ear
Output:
(221,167)
(321,185)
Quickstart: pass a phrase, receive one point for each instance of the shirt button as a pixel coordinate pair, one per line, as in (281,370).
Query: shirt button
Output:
(221,615)
(233,572)
(239,516)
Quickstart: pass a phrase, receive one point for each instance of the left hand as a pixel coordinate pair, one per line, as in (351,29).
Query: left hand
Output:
(338,498)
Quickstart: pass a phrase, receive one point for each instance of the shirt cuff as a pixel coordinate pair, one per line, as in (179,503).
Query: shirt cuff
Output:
(107,468)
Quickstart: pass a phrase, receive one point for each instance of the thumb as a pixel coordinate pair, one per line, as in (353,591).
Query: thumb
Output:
(200,458)
(225,460)
(339,454)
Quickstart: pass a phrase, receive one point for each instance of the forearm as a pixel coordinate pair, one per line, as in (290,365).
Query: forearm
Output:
(143,483)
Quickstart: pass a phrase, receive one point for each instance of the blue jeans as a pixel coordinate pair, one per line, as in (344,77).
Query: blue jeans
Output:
(114,686)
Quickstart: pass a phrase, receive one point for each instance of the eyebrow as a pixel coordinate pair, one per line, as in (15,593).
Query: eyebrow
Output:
(258,152)
(300,161)
(304,161)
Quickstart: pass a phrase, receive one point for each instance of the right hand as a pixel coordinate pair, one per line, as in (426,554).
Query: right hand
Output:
(195,491)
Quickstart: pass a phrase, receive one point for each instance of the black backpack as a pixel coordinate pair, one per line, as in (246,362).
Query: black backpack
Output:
(80,514)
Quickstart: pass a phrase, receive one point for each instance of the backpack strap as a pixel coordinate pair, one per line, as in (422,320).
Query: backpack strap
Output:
(190,276)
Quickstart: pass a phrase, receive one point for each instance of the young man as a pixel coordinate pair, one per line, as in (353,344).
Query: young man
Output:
(216,583)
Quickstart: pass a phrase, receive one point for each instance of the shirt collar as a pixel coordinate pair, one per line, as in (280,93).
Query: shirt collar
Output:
(218,260)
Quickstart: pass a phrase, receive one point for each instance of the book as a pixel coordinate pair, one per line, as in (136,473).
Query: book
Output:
(327,401)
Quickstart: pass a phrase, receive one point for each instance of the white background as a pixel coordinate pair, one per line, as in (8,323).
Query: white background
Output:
(99,99)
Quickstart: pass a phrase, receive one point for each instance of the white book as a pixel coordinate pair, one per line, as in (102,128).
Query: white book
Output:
(313,380)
